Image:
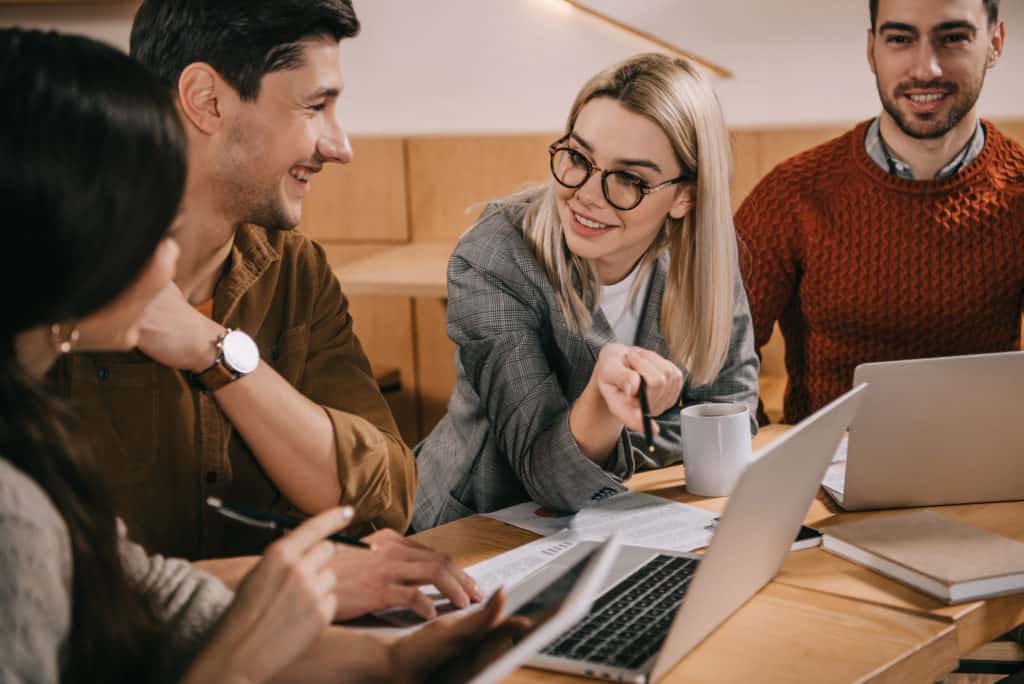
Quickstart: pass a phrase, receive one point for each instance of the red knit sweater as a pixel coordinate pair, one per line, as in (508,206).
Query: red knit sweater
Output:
(858,265)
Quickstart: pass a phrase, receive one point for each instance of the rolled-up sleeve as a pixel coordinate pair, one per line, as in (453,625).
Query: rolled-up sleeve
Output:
(500,340)
(376,470)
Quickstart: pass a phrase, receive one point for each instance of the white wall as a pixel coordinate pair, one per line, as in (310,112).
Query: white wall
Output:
(429,66)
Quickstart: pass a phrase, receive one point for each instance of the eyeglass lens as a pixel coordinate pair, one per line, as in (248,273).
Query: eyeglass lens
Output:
(572,170)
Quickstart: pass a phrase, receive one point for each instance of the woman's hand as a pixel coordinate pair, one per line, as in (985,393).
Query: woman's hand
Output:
(280,609)
(617,376)
(389,576)
(611,398)
(454,648)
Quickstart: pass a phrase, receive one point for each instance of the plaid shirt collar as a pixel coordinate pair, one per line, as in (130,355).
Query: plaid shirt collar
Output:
(876,149)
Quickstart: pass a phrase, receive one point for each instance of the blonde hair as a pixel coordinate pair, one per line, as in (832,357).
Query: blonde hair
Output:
(697,308)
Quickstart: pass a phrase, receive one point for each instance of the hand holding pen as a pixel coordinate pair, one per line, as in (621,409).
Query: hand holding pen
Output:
(385,570)
(661,384)
(271,521)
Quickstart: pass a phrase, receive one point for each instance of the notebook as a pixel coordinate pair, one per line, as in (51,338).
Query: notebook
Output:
(934,553)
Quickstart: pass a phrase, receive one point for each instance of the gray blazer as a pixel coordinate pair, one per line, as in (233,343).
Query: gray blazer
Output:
(505,438)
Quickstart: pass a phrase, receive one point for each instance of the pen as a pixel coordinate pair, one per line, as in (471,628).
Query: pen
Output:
(271,521)
(645,409)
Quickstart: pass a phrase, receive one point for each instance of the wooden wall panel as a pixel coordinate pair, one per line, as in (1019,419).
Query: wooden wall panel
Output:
(430,182)
(1013,128)
(448,175)
(435,361)
(364,201)
(746,164)
(384,326)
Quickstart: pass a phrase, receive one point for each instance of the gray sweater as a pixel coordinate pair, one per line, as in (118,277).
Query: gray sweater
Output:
(35,587)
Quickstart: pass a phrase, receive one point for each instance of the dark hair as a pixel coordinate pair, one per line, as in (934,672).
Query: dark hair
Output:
(94,166)
(244,40)
(991,7)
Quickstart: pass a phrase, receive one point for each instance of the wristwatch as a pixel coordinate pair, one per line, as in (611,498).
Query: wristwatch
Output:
(237,356)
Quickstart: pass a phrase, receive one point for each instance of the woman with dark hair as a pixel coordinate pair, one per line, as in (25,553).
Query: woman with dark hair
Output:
(92,175)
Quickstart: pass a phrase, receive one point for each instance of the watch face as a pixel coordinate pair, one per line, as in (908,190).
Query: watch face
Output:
(240,353)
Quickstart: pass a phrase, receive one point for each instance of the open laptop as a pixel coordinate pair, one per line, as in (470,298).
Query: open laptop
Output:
(937,431)
(657,606)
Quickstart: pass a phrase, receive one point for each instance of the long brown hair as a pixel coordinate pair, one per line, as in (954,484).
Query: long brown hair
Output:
(93,171)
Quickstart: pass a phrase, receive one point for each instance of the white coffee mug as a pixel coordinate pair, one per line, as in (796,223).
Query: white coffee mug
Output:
(716,447)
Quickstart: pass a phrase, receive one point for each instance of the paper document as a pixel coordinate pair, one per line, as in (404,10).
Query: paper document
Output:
(504,570)
(642,519)
(835,476)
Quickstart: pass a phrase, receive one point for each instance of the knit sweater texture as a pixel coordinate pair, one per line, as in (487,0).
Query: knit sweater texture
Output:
(858,265)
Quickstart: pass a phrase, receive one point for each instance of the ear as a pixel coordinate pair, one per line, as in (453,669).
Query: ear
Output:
(685,200)
(201,92)
(996,43)
(871,51)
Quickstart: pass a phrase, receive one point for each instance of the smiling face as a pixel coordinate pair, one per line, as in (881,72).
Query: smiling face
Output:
(276,144)
(929,58)
(614,138)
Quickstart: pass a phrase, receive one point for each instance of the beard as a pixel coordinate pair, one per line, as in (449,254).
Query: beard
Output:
(931,126)
(249,197)
(270,215)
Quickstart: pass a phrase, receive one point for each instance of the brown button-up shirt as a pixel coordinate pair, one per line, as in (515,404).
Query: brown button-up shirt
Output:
(163,444)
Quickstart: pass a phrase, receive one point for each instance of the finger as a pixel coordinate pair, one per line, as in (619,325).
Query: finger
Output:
(619,372)
(316,529)
(325,581)
(327,606)
(654,374)
(317,557)
(626,409)
(412,551)
(478,621)
(400,596)
(431,572)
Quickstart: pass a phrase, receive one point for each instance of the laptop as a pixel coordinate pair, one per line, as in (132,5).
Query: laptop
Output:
(936,431)
(657,606)
(544,612)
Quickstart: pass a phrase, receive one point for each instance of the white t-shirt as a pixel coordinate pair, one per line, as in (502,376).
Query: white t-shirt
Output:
(614,302)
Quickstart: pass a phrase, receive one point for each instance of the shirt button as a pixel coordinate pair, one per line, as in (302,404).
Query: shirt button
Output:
(102,374)
(211,477)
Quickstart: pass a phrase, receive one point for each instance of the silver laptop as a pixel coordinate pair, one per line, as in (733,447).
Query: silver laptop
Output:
(659,605)
(937,431)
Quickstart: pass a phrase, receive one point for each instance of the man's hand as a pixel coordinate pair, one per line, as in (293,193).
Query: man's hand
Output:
(389,576)
(175,334)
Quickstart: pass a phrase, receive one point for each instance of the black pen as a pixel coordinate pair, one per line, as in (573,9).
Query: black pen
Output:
(271,521)
(645,409)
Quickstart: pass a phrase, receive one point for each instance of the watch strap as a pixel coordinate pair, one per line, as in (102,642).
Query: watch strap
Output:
(217,375)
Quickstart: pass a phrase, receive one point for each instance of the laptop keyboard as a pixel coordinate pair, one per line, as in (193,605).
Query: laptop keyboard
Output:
(628,623)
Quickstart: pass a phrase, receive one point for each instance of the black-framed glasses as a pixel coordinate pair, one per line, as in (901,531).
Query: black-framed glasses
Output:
(622,189)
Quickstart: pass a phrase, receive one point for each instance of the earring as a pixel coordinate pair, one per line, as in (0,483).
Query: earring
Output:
(63,343)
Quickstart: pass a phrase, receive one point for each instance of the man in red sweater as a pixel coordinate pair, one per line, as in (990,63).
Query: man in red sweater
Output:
(905,236)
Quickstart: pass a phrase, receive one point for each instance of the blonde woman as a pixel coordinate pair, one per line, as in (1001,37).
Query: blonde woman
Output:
(561,298)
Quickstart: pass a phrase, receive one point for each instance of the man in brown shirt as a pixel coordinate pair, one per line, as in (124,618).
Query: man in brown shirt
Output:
(268,398)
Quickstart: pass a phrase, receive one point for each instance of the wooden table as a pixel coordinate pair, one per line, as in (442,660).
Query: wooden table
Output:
(417,269)
(786,633)
(977,622)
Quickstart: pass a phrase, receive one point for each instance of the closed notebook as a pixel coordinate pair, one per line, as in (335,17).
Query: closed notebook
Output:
(939,555)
